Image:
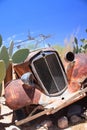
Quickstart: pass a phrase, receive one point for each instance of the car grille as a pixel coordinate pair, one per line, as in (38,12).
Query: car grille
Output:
(49,72)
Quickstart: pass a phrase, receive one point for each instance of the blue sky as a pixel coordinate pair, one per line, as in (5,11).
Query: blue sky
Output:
(60,18)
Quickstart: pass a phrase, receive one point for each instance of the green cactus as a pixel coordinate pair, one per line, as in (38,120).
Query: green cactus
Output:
(80,48)
(4,55)
(0,40)
(2,74)
(10,50)
(2,70)
(7,57)
(75,45)
(20,55)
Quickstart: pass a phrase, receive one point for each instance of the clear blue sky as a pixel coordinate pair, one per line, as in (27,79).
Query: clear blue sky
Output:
(61,18)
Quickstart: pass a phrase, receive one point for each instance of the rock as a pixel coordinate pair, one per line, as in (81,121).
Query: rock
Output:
(84,114)
(63,122)
(12,127)
(75,119)
(44,125)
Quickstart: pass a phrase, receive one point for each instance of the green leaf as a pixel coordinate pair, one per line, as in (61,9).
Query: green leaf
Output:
(10,50)
(85,46)
(20,55)
(2,70)
(4,55)
(82,40)
(0,40)
(76,40)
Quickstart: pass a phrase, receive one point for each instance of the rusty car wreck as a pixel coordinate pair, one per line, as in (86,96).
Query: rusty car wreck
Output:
(44,81)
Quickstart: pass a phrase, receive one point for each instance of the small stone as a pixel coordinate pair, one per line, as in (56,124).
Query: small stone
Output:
(63,122)
(44,125)
(47,123)
(12,127)
(75,119)
(84,114)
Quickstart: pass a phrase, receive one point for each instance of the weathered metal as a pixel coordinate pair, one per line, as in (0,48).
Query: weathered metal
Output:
(77,72)
(19,93)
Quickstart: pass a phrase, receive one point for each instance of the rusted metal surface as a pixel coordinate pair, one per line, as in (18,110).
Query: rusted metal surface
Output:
(20,69)
(77,72)
(18,94)
(58,106)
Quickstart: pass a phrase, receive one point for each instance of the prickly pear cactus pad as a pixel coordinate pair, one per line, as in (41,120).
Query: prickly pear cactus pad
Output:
(20,55)
(4,55)
(2,70)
